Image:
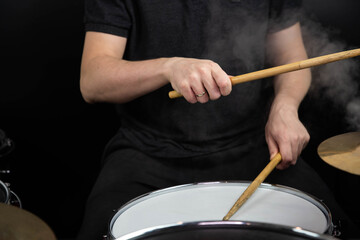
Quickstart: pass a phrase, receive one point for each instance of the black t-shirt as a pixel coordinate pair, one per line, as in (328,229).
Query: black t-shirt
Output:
(229,32)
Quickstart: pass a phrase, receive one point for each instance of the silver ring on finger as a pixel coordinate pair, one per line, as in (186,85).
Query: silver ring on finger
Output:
(201,94)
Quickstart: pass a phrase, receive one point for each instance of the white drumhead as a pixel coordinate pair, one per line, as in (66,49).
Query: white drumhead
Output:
(211,202)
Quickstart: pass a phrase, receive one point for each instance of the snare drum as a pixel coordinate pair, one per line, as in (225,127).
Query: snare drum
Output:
(8,197)
(209,202)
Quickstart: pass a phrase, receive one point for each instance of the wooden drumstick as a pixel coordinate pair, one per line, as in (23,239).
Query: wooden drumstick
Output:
(253,186)
(311,62)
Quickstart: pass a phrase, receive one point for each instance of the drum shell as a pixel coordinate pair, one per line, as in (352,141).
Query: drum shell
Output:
(287,190)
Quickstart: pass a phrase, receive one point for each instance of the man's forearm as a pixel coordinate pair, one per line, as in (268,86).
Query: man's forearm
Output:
(107,79)
(291,88)
(287,47)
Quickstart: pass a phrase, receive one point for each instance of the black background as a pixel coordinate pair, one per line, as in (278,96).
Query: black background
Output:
(59,138)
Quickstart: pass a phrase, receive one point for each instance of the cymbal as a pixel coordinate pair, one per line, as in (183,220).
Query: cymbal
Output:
(19,224)
(342,151)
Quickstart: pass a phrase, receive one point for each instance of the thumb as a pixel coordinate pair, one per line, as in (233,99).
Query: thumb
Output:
(272,146)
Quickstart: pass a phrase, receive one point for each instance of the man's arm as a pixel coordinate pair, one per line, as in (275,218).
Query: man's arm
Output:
(284,131)
(107,77)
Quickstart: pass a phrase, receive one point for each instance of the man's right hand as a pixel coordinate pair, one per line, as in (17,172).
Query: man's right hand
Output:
(198,80)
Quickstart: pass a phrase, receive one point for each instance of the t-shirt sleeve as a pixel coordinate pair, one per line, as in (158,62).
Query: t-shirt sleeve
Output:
(107,16)
(283,14)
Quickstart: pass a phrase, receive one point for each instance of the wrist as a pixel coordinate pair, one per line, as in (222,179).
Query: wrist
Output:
(286,103)
(167,67)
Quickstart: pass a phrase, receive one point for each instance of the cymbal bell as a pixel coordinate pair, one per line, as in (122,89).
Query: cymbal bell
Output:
(342,151)
(19,224)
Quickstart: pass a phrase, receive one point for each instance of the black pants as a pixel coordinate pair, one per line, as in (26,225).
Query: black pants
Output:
(128,173)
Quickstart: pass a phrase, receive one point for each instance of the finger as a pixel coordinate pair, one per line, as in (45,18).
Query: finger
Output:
(200,93)
(209,83)
(212,89)
(296,151)
(301,146)
(287,155)
(202,97)
(222,80)
(187,93)
(283,165)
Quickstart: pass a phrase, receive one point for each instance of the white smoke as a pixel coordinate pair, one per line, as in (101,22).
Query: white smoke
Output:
(338,82)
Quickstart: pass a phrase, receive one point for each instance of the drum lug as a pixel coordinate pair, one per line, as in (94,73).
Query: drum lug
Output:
(336,232)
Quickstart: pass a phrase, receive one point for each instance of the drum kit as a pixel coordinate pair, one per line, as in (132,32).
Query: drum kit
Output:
(194,211)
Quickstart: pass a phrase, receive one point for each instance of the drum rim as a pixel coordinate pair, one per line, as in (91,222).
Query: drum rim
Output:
(278,187)
(248,225)
(6,190)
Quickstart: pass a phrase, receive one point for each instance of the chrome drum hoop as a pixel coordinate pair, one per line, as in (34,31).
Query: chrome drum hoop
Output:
(238,226)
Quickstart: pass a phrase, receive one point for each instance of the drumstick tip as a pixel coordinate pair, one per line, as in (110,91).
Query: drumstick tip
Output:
(226,218)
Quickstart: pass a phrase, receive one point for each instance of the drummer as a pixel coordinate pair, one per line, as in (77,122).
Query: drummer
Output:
(135,52)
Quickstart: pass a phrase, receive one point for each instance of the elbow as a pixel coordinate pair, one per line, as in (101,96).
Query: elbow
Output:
(86,92)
